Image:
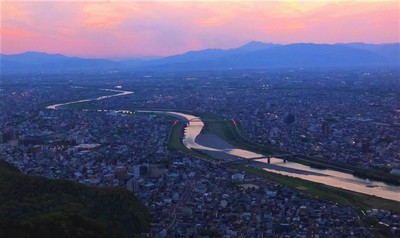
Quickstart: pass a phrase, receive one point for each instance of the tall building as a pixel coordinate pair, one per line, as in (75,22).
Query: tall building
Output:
(365,146)
(121,173)
(9,134)
(133,185)
(325,128)
(140,170)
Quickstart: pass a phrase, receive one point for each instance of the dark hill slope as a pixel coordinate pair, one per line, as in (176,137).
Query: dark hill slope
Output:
(39,207)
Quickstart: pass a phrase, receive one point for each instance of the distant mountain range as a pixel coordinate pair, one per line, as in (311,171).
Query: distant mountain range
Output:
(254,55)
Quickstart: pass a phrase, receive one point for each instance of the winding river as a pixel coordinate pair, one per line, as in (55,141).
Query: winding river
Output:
(220,149)
(118,93)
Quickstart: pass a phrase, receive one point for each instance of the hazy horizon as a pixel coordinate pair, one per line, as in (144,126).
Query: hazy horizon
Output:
(151,57)
(131,29)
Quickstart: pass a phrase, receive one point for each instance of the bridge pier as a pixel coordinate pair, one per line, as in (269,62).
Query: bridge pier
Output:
(268,157)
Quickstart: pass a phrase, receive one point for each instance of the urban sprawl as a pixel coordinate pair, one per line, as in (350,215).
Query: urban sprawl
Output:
(347,116)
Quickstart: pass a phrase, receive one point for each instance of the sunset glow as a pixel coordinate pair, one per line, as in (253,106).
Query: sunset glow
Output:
(130,28)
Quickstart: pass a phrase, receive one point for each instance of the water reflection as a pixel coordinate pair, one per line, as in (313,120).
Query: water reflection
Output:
(219,148)
(119,93)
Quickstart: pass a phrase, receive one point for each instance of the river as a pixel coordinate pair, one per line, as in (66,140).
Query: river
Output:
(118,93)
(220,149)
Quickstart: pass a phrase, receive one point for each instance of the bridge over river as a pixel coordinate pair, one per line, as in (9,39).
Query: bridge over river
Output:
(283,157)
(277,163)
(270,163)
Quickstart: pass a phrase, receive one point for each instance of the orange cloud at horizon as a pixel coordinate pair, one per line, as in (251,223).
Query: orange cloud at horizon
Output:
(129,28)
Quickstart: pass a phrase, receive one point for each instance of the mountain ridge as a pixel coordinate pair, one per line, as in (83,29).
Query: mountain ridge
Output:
(253,55)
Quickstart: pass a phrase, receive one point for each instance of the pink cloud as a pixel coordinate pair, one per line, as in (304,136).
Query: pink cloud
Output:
(122,29)
(106,14)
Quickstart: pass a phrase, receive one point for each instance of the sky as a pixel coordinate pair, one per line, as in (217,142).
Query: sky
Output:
(121,29)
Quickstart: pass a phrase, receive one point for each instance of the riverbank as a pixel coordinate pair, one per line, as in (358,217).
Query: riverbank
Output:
(315,190)
(229,129)
(209,145)
(357,201)
(233,134)
(73,104)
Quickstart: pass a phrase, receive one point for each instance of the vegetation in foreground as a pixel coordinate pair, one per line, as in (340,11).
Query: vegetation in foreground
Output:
(38,207)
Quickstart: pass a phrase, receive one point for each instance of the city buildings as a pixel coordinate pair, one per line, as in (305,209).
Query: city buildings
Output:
(338,117)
